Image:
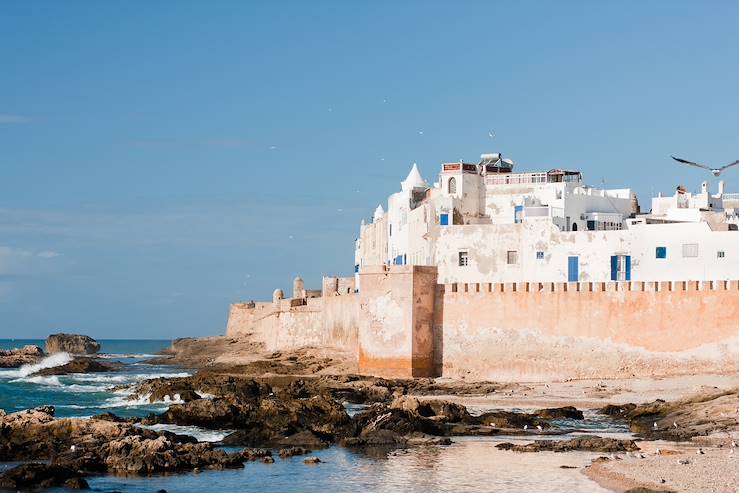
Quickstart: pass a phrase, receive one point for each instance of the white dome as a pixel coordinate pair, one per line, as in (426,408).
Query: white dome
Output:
(379,214)
(414,180)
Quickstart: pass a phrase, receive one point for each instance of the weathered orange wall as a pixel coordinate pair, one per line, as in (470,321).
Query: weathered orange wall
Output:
(396,326)
(542,330)
(403,324)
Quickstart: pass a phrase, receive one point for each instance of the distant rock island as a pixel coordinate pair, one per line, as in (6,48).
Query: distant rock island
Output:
(71,343)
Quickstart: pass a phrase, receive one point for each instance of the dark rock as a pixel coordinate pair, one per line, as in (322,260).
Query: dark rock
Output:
(616,410)
(567,412)
(590,443)
(76,484)
(15,358)
(263,417)
(81,365)
(509,419)
(253,454)
(33,475)
(292,451)
(71,343)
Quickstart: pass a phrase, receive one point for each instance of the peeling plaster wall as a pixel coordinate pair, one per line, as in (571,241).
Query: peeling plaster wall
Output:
(330,321)
(395,331)
(490,331)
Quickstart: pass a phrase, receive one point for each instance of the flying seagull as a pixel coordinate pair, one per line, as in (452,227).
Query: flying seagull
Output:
(716,171)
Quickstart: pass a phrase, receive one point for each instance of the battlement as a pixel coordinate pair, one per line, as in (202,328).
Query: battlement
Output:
(404,324)
(589,287)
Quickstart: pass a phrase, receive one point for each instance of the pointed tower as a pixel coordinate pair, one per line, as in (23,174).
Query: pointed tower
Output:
(414,180)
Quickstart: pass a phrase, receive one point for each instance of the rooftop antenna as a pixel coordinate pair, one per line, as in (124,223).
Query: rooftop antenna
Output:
(715,171)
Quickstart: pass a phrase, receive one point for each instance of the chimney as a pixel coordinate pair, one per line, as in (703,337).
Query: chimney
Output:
(721,188)
(704,187)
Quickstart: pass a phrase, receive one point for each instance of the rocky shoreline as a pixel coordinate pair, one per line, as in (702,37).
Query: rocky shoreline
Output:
(281,405)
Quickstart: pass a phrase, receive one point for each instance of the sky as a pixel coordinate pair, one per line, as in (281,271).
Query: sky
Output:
(161,160)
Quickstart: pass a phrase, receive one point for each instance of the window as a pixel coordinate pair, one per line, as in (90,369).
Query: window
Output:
(690,250)
(463,259)
(661,252)
(512,257)
(444,219)
(452,185)
(518,214)
(720,254)
(621,268)
(539,255)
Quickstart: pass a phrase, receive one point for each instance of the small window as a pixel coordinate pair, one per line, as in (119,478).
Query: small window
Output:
(512,257)
(444,219)
(452,185)
(463,259)
(690,250)
(661,252)
(720,254)
(539,255)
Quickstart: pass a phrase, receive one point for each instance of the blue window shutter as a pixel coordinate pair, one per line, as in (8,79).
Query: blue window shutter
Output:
(518,214)
(661,252)
(444,219)
(356,267)
(628,267)
(614,268)
(573,274)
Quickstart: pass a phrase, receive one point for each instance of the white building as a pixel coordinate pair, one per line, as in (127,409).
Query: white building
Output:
(485,223)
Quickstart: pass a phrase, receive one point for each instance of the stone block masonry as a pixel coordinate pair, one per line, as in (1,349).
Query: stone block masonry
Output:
(404,324)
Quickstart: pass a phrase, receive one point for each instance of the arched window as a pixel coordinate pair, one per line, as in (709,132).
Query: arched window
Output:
(452,185)
(574,226)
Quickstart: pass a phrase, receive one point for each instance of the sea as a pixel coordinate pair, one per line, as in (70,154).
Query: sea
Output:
(470,464)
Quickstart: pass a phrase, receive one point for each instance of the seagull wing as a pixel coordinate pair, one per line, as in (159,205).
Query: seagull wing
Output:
(691,163)
(729,165)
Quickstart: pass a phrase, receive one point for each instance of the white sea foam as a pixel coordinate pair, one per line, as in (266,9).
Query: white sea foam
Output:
(200,434)
(123,399)
(56,359)
(126,356)
(51,381)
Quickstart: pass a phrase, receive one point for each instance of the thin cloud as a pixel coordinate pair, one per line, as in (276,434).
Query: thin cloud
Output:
(13,119)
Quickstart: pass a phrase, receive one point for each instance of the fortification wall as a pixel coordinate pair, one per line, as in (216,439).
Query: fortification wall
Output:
(538,331)
(404,324)
(321,322)
(396,321)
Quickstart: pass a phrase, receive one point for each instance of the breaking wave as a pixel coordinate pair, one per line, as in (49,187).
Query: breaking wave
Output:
(56,359)
(51,381)
(199,434)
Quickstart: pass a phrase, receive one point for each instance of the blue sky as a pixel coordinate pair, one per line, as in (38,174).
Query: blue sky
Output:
(160,160)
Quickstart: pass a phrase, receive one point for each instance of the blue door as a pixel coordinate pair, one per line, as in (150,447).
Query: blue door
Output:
(572,269)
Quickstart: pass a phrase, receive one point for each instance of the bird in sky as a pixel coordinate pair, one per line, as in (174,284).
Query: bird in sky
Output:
(491,135)
(716,171)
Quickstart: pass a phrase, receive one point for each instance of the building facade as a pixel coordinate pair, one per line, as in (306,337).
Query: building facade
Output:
(486,223)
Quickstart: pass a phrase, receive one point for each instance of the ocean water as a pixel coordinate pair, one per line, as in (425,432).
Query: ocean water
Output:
(470,464)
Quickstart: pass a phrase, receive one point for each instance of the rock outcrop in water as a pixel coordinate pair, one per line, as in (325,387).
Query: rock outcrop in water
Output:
(81,365)
(95,446)
(702,414)
(15,358)
(35,476)
(589,443)
(71,343)
(262,415)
